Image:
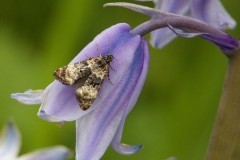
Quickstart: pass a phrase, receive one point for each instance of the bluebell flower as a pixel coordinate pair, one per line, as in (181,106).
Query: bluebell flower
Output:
(10,145)
(209,11)
(102,124)
(179,25)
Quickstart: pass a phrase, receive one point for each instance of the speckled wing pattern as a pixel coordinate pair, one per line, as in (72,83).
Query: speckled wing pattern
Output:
(86,76)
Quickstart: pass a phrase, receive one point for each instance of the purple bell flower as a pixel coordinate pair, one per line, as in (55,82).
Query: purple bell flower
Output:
(102,124)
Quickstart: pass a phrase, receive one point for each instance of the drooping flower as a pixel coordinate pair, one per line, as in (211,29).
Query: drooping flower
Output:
(180,25)
(10,145)
(103,122)
(209,11)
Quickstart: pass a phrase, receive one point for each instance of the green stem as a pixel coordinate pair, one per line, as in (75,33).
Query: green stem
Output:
(225,140)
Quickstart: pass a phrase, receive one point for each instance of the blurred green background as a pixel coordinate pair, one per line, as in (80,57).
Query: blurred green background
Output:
(175,112)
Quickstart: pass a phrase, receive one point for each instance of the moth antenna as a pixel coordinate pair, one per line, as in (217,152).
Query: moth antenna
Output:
(110,80)
(100,53)
(110,46)
(109,76)
(115,58)
(111,68)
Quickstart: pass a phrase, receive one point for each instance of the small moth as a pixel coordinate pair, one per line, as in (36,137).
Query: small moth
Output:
(86,77)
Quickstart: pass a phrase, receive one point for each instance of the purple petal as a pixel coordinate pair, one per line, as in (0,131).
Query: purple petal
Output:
(51,153)
(212,12)
(60,103)
(174,6)
(96,130)
(226,43)
(161,37)
(123,148)
(9,142)
(29,97)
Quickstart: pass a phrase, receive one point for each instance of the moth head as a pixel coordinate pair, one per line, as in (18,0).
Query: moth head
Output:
(104,60)
(108,58)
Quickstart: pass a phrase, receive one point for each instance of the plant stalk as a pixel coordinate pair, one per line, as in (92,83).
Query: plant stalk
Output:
(225,139)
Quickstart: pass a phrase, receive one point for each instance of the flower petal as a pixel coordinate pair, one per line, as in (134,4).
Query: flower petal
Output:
(29,97)
(51,153)
(161,37)
(226,43)
(9,142)
(96,130)
(212,12)
(178,7)
(124,148)
(60,103)
(184,34)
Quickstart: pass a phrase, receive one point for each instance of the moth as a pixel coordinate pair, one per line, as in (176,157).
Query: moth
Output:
(86,77)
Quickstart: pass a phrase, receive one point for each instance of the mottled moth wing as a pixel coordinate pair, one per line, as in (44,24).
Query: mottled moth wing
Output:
(87,93)
(71,73)
(86,76)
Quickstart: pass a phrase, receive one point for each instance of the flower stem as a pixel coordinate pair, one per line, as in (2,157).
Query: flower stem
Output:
(225,140)
(181,22)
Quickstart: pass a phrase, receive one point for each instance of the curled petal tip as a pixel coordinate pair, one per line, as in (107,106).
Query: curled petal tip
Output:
(128,149)
(29,97)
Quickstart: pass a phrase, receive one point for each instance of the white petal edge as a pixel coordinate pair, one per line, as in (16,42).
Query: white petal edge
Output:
(29,97)
(9,142)
(50,153)
(181,33)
